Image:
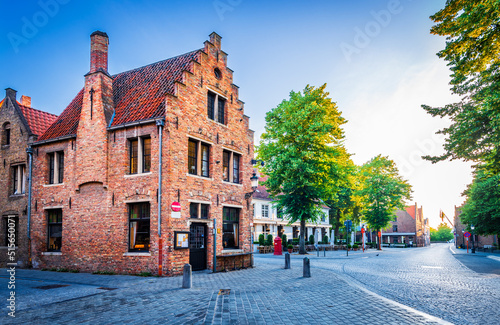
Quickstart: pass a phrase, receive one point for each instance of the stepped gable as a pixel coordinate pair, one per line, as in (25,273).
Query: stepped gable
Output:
(138,94)
(38,121)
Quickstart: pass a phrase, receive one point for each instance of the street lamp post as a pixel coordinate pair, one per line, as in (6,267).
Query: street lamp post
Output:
(472,230)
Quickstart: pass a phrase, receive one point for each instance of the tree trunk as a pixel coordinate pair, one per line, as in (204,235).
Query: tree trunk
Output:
(302,241)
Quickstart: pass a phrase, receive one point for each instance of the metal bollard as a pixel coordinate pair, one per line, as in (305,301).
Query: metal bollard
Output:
(317,251)
(306,268)
(324,251)
(287,261)
(186,277)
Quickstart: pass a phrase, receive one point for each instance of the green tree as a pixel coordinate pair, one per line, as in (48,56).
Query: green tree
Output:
(303,152)
(442,233)
(472,30)
(482,207)
(384,191)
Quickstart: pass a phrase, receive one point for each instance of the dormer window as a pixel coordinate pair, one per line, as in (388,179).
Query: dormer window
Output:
(216,107)
(6,134)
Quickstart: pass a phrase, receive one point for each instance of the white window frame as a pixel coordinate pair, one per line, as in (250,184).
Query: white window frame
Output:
(20,184)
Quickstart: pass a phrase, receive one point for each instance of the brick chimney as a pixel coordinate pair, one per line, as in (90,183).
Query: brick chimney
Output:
(99,42)
(11,93)
(26,101)
(215,39)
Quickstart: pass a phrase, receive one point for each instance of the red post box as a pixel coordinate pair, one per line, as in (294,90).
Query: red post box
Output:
(278,249)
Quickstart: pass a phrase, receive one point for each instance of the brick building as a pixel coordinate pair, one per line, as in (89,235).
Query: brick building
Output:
(409,226)
(173,130)
(20,124)
(460,229)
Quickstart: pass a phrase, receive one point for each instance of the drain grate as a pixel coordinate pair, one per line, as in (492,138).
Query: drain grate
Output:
(109,289)
(224,292)
(52,286)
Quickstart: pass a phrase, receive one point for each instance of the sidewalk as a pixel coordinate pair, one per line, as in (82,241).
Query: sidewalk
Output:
(266,294)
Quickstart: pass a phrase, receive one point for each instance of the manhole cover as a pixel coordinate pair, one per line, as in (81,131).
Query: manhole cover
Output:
(224,292)
(103,288)
(52,286)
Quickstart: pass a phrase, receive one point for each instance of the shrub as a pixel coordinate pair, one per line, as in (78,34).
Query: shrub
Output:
(349,246)
(74,271)
(355,246)
(325,239)
(269,241)
(311,240)
(283,240)
(262,240)
(290,247)
(104,272)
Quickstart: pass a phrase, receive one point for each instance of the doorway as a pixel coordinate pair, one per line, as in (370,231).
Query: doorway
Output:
(198,246)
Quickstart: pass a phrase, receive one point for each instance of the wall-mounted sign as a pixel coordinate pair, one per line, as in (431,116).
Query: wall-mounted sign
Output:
(181,239)
(176,206)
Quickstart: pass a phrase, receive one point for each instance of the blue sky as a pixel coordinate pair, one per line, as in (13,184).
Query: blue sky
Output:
(378,59)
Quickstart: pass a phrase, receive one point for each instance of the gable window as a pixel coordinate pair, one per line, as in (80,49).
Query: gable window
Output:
(395,228)
(198,210)
(6,134)
(56,167)
(265,211)
(54,218)
(230,227)
(18,179)
(198,158)
(10,226)
(140,155)
(216,107)
(231,162)
(139,227)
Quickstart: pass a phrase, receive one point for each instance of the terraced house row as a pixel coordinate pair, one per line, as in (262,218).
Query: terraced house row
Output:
(144,171)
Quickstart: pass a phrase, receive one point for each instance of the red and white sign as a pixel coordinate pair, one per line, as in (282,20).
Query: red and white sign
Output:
(176,206)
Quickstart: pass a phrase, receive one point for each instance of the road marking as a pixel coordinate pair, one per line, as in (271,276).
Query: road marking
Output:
(431,267)
(494,257)
(451,249)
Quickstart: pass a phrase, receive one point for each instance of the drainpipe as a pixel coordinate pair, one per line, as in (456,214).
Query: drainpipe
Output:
(29,150)
(160,124)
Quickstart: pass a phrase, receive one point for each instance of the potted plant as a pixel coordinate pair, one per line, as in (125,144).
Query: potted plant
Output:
(355,247)
(290,248)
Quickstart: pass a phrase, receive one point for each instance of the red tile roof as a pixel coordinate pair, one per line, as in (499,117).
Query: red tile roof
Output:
(38,121)
(138,94)
(67,122)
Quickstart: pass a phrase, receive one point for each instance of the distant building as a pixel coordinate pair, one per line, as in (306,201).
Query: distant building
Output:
(20,124)
(460,229)
(409,227)
(268,220)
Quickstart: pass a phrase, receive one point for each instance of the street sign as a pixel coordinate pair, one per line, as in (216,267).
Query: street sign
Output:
(467,234)
(362,230)
(176,206)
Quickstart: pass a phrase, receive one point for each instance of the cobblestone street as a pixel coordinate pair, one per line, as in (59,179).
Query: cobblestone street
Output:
(397,286)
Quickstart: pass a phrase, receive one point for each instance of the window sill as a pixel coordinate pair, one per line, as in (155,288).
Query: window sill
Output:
(232,251)
(51,185)
(52,253)
(217,122)
(143,254)
(17,195)
(231,183)
(137,175)
(200,177)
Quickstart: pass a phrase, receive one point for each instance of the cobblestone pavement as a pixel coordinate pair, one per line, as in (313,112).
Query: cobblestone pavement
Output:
(268,294)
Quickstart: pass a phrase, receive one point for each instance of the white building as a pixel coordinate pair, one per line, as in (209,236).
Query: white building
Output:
(267,220)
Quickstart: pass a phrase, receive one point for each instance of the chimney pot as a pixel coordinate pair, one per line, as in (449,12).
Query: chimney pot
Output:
(11,93)
(26,101)
(99,42)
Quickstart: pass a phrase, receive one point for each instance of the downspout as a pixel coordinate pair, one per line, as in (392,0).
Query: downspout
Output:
(29,150)
(160,124)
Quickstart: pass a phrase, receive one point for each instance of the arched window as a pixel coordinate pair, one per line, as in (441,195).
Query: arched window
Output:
(6,134)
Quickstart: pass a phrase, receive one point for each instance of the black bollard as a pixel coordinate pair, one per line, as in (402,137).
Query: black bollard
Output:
(186,277)
(307,268)
(324,251)
(287,260)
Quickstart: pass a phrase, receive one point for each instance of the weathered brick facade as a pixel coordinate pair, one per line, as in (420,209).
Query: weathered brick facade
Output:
(460,229)
(99,190)
(20,124)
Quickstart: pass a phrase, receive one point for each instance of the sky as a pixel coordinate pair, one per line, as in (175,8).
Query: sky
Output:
(377,57)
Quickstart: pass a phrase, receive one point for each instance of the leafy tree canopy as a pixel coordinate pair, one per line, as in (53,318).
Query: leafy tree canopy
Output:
(443,233)
(304,154)
(482,207)
(384,191)
(472,30)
